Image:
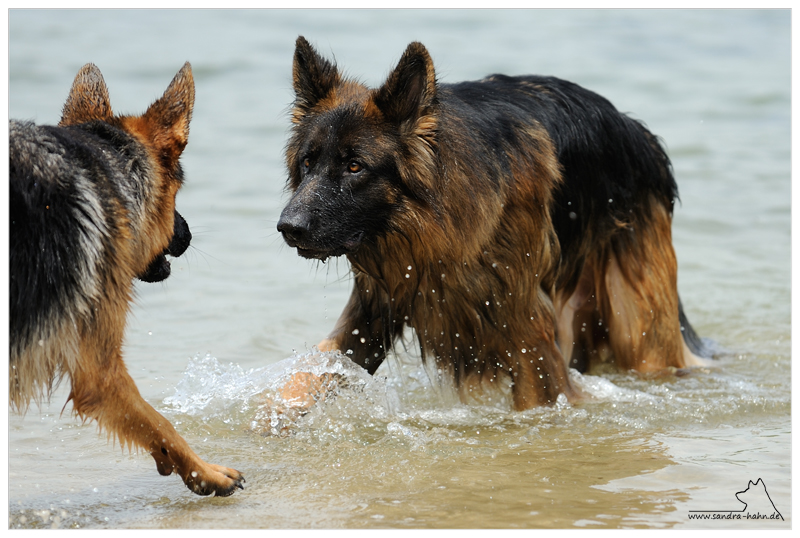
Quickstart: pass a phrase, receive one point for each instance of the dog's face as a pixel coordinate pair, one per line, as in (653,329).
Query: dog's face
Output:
(162,133)
(348,157)
(344,182)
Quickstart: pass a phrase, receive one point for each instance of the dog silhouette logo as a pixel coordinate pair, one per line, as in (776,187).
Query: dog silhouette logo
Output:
(757,505)
(756,499)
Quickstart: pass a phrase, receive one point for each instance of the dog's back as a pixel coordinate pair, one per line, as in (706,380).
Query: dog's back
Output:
(609,163)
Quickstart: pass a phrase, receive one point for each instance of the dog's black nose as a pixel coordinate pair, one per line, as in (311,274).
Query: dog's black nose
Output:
(294,227)
(181,237)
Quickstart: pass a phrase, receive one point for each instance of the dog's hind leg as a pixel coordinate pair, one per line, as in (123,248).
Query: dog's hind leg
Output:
(103,390)
(638,292)
(577,328)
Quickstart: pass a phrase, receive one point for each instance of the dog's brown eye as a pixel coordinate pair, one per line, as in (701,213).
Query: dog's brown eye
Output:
(353,167)
(306,163)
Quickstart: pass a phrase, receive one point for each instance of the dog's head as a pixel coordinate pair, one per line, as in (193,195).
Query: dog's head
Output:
(356,155)
(155,175)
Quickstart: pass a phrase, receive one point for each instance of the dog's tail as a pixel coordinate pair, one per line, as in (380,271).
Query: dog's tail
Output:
(693,341)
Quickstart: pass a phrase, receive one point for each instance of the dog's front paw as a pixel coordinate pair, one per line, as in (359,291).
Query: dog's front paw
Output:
(277,413)
(216,479)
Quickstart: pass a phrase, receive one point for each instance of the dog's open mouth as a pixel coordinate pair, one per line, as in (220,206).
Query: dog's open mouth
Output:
(159,269)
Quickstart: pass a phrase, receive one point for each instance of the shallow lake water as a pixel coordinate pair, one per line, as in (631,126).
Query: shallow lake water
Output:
(241,310)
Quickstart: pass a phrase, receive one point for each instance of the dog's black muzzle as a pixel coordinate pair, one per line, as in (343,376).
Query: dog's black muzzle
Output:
(301,231)
(159,268)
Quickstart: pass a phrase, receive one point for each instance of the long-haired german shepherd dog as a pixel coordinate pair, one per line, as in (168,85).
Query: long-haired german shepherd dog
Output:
(520,225)
(92,206)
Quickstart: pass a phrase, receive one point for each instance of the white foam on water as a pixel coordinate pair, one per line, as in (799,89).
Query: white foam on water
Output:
(409,403)
(600,388)
(209,386)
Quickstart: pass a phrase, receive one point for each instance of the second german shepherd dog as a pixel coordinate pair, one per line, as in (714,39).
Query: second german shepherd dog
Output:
(520,225)
(92,206)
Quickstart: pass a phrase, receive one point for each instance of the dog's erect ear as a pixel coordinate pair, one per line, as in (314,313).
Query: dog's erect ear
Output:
(313,77)
(409,92)
(170,115)
(88,98)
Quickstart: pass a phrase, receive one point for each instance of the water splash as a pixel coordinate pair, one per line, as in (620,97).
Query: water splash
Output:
(600,388)
(212,390)
(336,399)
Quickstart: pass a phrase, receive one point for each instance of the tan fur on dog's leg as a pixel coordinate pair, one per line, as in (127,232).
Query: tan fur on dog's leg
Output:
(328,344)
(640,297)
(102,389)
